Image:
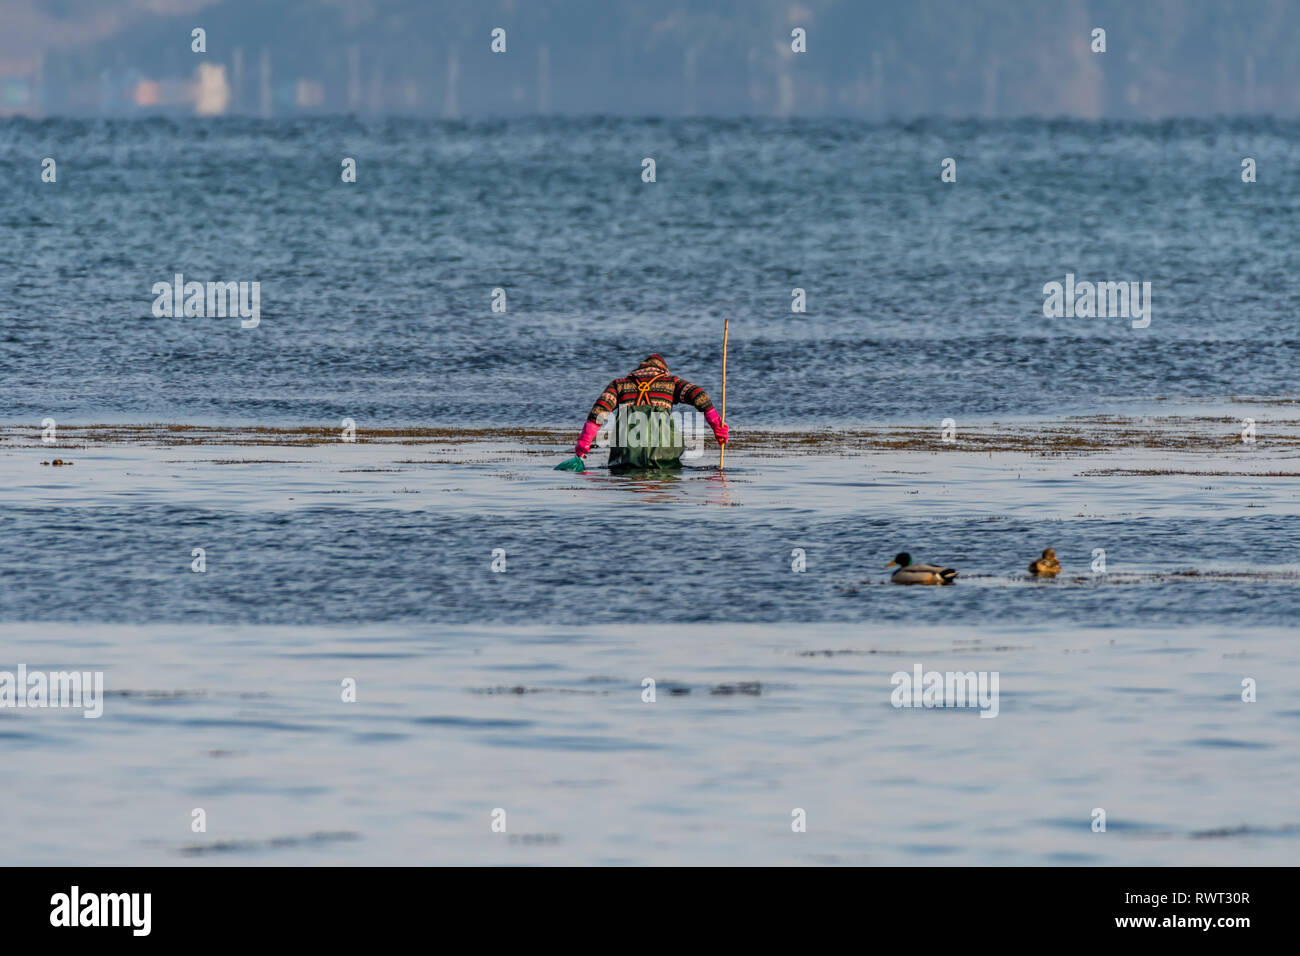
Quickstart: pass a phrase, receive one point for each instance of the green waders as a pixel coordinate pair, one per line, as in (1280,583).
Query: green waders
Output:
(645,438)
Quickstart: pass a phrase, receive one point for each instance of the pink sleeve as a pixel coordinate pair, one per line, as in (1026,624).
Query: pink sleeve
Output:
(589,430)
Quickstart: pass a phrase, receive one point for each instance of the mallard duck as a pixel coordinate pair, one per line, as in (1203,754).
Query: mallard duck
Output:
(1047,565)
(909,573)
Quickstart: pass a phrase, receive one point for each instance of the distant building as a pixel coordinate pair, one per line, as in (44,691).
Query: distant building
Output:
(148,93)
(16,97)
(211,91)
(310,94)
(20,86)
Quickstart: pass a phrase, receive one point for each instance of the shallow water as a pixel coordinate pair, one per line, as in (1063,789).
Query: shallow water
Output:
(521,689)
(452,723)
(364,533)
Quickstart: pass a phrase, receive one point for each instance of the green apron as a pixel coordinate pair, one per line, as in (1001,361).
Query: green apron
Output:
(645,438)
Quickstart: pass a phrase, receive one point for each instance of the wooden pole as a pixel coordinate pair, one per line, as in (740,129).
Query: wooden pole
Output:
(722,452)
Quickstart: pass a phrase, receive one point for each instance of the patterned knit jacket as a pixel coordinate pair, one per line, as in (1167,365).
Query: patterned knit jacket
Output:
(649,384)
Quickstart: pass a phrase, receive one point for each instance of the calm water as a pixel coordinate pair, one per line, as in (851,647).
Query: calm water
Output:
(522,689)
(548,724)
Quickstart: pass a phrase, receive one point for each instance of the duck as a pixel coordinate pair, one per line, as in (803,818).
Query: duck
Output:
(1047,565)
(909,573)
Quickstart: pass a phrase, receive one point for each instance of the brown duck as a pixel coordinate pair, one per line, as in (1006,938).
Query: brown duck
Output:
(1047,565)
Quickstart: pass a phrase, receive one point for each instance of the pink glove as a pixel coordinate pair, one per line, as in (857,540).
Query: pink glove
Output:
(715,422)
(584,440)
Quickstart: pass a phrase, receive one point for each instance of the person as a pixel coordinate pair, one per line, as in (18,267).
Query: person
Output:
(645,435)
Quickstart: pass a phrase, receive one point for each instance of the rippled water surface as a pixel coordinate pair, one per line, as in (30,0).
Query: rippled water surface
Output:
(924,298)
(757,601)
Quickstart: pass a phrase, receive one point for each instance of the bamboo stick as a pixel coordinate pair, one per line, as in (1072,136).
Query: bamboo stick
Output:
(722,452)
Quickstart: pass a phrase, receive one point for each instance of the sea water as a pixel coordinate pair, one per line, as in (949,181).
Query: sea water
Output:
(387,645)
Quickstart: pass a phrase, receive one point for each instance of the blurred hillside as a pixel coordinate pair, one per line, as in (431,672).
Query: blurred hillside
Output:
(893,58)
